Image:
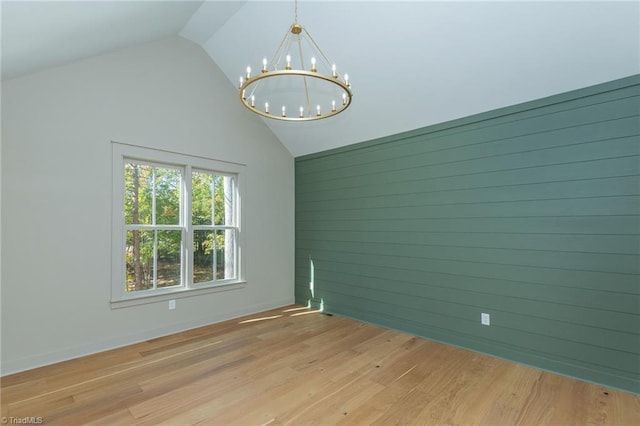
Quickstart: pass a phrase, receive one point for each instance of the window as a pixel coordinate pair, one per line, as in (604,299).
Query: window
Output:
(176,226)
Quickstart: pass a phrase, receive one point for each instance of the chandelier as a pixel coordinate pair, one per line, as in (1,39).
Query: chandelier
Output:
(298,83)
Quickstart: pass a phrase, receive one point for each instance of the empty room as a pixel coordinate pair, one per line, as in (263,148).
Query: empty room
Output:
(320,212)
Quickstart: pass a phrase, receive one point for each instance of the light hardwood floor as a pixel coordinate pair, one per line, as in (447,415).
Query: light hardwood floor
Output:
(296,366)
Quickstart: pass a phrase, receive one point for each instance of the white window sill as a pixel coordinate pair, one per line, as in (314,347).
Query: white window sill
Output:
(178,294)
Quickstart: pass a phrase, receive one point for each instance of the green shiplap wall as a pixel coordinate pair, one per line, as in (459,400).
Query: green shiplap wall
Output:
(529,213)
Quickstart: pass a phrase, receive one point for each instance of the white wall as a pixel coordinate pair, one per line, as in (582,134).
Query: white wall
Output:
(56,197)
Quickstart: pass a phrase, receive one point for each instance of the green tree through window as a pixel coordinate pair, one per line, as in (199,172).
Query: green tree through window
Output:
(157,233)
(214,235)
(154,236)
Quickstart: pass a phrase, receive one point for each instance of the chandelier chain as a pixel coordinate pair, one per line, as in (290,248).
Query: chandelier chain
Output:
(306,86)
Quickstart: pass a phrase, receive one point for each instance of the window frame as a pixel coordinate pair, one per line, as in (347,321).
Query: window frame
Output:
(121,153)
(155,226)
(214,228)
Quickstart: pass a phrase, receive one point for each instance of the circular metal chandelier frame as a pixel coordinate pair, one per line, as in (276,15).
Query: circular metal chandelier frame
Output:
(249,86)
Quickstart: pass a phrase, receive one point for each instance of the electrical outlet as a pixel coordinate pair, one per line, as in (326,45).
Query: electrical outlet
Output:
(172,304)
(485,319)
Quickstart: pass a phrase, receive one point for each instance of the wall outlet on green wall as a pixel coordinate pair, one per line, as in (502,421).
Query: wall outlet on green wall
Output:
(485,319)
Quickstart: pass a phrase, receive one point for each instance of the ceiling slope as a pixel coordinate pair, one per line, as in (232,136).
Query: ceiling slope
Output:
(411,63)
(44,34)
(414,64)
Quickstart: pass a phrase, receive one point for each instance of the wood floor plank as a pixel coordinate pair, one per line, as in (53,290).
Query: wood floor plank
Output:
(297,366)
(346,394)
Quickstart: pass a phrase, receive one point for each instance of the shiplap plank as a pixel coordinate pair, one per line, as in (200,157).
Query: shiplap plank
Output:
(597,225)
(589,188)
(615,311)
(612,244)
(493,279)
(598,206)
(454,150)
(565,171)
(388,253)
(465,274)
(434,167)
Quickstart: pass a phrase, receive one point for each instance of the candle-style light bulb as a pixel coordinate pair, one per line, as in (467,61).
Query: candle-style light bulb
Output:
(284,111)
(333,71)
(241,81)
(318,110)
(333,106)
(313,64)
(301,112)
(346,79)
(248,73)
(253,101)
(344,98)
(288,62)
(244,95)
(264,64)
(266,107)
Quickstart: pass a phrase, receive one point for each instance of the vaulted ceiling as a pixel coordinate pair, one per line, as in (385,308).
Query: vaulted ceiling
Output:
(411,63)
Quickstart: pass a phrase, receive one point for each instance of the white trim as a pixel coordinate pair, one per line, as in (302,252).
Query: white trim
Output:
(76,351)
(178,293)
(187,267)
(119,297)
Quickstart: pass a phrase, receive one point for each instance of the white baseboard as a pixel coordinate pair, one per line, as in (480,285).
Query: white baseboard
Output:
(76,351)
